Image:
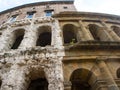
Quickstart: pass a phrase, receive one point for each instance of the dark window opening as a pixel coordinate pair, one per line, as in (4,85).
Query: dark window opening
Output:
(80,86)
(38,84)
(0,33)
(44,39)
(69,34)
(69,37)
(94,31)
(13,18)
(30,14)
(65,7)
(79,79)
(17,42)
(116,30)
(48,13)
(0,83)
(118,73)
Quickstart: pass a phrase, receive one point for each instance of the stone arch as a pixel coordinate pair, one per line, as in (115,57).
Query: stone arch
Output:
(98,32)
(38,80)
(71,66)
(44,36)
(82,79)
(116,29)
(118,73)
(76,24)
(70,34)
(17,37)
(95,31)
(94,23)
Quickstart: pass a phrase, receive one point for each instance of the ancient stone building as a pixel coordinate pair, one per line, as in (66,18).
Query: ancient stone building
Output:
(51,46)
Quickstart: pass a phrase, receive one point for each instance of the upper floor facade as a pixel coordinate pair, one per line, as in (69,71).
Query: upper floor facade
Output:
(33,10)
(55,23)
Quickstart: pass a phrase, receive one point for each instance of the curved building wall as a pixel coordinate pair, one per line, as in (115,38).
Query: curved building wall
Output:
(61,50)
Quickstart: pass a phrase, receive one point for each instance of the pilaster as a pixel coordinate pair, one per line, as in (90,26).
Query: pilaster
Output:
(15,79)
(111,32)
(56,34)
(107,76)
(55,76)
(86,32)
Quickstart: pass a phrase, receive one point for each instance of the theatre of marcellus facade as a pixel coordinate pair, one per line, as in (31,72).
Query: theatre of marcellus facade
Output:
(51,46)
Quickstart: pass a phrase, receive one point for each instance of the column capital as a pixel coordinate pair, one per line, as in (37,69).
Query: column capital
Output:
(102,58)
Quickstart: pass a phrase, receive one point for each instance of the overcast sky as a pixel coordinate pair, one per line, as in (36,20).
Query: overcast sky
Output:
(102,6)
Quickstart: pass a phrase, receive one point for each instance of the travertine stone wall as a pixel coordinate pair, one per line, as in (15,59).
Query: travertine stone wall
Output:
(56,62)
(50,58)
(17,65)
(22,62)
(30,34)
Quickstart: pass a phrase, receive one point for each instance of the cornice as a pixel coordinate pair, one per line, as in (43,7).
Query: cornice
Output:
(86,14)
(38,3)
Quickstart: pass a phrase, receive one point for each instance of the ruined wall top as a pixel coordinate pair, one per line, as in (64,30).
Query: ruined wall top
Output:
(38,9)
(39,3)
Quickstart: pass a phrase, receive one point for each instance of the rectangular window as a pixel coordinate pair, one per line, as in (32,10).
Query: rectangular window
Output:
(65,7)
(30,15)
(48,13)
(13,18)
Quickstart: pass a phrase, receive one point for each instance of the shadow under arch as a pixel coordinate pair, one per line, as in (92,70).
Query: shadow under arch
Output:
(17,37)
(118,73)
(0,83)
(116,29)
(95,31)
(38,80)
(82,79)
(44,36)
(70,34)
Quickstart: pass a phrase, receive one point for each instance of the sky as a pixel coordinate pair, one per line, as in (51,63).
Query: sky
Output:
(100,6)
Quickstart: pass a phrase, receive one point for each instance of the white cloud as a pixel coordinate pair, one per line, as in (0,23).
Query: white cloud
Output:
(103,6)
(6,4)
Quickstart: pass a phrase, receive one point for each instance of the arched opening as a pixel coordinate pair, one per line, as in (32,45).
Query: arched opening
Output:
(38,80)
(0,83)
(44,37)
(70,34)
(118,73)
(38,84)
(18,37)
(116,30)
(80,79)
(17,42)
(94,30)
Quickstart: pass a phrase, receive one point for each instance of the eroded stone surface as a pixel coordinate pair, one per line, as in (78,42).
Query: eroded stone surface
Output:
(58,61)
